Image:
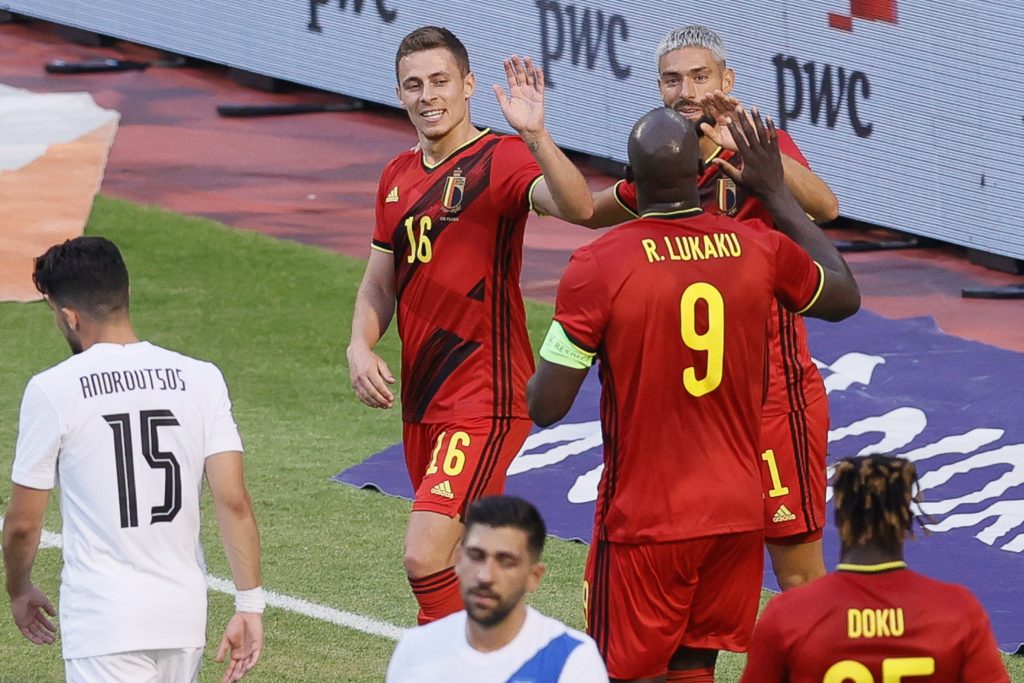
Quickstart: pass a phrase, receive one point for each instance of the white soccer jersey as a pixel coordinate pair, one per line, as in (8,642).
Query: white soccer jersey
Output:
(126,431)
(544,651)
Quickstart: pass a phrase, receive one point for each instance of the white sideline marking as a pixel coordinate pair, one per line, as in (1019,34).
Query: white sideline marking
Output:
(337,617)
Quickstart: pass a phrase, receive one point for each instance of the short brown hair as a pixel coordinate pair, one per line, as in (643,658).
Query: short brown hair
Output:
(431,38)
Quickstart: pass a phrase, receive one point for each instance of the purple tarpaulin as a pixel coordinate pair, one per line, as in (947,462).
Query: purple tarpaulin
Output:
(899,386)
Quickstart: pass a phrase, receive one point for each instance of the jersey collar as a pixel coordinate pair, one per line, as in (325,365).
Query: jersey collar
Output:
(681,213)
(464,145)
(870,568)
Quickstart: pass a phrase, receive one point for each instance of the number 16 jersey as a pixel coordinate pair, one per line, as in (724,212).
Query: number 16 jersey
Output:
(455,232)
(674,306)
(125,430)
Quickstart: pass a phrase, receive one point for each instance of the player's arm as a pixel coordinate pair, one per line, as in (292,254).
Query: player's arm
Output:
(23,525)
(563,367)
(608,210)
(838,296)
(243,637)
(815,197)
(563,191)
(374,308)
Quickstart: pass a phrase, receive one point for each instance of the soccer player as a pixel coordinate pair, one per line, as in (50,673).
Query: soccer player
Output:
(129,429)
(874,620)
(448,247)
(674,306)
(694,80)
(498,638)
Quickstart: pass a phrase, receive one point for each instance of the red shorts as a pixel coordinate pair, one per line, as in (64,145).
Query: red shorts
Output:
(793,461)
(453,464)
(642,602)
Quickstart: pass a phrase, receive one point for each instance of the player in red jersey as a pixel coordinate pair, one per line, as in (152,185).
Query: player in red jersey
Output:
(794,428)
(674,306)
(447,247)
(874,620)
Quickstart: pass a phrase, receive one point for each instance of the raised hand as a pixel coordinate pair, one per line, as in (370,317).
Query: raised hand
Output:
(720,107)
(30,609)
(758,147)
(523,106)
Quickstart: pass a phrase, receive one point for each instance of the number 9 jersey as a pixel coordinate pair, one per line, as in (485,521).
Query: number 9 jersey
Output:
(674,306)
(126,430)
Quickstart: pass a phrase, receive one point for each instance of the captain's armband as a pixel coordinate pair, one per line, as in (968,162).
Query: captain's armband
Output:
(560,350)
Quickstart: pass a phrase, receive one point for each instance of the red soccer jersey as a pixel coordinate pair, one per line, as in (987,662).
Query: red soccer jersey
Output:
(793,379)
(675,306)
(873,624)
(456,233)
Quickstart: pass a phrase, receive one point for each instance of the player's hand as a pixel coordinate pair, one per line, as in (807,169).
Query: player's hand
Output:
(243,640)
(719,106)
(523,106)
(758,147)
(371,376)
(30,609)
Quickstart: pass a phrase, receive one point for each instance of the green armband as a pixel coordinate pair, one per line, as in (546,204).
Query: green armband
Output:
(560,350)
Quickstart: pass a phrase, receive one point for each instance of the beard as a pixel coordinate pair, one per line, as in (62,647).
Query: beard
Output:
(489,616)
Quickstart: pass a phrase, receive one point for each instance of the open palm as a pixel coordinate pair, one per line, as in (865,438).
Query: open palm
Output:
(523,106)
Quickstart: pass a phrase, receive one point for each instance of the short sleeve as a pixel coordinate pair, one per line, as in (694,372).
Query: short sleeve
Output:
(583,304)
(221,434)
(798,278)
(625,195)
(514,174)
(789,148)
(381,230)
(982,661)
(39,439)
(766,657)
(584,665)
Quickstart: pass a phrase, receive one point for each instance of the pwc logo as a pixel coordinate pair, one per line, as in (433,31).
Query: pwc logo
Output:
(868,10)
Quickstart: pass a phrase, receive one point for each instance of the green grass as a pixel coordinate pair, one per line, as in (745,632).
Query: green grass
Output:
(273,315)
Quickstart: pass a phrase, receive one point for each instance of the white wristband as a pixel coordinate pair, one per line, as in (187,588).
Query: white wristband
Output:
(251,600)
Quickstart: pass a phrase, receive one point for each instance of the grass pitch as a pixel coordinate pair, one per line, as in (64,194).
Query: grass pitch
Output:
(274,316)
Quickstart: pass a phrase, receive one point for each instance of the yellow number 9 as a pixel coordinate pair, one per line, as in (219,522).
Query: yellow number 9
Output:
(712,341)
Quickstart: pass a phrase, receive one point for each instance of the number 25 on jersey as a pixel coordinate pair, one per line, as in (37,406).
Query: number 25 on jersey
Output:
(711,341)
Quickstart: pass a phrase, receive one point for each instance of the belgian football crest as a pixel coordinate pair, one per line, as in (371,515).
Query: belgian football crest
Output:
(727,196)
(454,189)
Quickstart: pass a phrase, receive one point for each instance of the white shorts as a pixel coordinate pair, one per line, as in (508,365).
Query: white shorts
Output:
(143,666)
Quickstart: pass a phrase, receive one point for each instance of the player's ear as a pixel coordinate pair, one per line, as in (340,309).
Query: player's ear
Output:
(398,95)
(536,574)
(71,318)
(469,85)
(728,80)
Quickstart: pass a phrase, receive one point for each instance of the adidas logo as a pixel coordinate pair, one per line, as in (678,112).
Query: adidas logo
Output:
(781,515)
(444,489)
(392,196)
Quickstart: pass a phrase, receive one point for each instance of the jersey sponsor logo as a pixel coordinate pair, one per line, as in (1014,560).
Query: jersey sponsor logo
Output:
(727,201)
(444,489)
(454,190)
(783,514)
(392,196)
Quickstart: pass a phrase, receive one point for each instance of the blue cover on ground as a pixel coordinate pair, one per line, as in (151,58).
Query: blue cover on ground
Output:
(899,386)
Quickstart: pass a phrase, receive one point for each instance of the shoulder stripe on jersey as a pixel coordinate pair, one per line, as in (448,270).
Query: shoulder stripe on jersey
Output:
(870,568)
(713,155)
(431,167)
(382,246)
(549,661)
(618,198)
(529,194)
(817,292)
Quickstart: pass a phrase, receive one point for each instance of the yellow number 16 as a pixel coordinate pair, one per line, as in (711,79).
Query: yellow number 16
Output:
(712,341)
